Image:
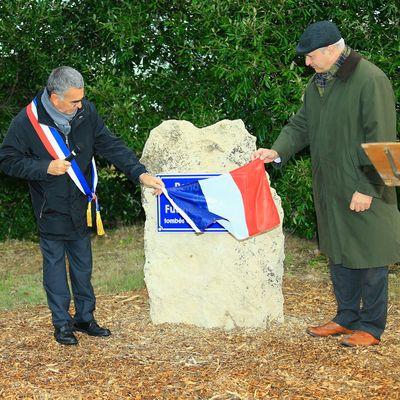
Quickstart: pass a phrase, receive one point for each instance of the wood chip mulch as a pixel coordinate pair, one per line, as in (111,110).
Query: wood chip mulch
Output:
(145,361)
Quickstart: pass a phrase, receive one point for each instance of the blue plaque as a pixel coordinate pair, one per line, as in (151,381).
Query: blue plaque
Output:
(169,220)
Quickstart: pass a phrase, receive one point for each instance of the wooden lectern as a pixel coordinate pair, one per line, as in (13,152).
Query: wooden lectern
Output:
(386,159)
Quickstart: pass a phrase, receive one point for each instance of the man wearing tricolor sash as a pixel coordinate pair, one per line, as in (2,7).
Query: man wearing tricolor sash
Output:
(60,125)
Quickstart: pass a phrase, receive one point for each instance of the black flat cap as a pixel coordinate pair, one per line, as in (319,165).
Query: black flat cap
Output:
(319,34)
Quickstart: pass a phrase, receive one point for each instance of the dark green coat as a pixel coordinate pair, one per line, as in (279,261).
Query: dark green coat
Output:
(358,106)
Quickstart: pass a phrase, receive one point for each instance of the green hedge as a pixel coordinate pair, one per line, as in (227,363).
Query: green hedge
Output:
(297,204)
(146,61)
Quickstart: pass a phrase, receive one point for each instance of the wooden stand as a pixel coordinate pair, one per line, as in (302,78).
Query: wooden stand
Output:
(386,159)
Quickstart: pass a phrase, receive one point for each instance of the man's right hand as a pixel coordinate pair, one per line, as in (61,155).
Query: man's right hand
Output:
(151,181)
(58,167)
(266,155)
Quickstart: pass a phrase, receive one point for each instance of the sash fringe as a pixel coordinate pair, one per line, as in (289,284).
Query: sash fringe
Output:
(99,224)
(89,215)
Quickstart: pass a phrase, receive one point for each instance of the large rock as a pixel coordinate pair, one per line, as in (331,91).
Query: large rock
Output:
(209,280)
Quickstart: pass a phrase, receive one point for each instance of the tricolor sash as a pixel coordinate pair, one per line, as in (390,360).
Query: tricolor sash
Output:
(56,147)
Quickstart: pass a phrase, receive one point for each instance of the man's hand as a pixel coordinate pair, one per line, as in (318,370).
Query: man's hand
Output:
(58,167)
(151,181)
(360,202)
(266,155)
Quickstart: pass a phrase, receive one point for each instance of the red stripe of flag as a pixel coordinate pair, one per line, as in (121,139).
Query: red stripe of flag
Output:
(260,210)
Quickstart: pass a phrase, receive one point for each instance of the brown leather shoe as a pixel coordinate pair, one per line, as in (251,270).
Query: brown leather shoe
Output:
(359,338)
(329,329)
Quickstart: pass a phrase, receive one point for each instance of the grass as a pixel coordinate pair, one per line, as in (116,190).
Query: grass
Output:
(302,257)
(20,289)
(118,266)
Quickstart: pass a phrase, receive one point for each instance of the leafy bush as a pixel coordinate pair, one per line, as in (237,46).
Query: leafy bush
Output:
(119,199)
(297,204)
(146,61)
(16,214)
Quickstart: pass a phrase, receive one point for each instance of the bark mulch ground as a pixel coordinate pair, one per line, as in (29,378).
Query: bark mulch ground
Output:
(144,361)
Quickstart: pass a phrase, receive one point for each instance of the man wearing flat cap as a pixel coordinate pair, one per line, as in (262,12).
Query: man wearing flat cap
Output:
(348,101)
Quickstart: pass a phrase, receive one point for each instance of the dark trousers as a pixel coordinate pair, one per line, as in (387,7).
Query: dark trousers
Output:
(362,298)
(79,253)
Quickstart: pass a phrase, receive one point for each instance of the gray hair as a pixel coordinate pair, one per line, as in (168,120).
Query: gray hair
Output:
(63,78)
(340,44)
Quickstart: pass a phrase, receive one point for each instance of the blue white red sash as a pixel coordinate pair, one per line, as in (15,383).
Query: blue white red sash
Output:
(56,147)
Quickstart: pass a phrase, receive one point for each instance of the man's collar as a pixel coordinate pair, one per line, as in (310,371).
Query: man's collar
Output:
(43,115)
(349,66)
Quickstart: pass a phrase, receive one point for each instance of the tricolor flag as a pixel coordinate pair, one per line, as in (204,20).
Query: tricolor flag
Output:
(240,201)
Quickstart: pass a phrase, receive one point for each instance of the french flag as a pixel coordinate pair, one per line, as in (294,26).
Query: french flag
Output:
(240,201)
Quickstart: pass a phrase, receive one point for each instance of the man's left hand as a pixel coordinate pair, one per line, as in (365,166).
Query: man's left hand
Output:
(360,202)
(151,181)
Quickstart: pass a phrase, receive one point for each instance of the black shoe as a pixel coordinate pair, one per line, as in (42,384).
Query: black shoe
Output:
(91,328)
(65,335)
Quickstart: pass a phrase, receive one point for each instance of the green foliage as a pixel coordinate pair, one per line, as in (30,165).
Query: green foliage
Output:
(297,203)
(16,214)
(146,61)
(119,199)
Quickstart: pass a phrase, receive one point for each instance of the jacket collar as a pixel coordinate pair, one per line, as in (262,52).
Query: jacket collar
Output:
(349,66)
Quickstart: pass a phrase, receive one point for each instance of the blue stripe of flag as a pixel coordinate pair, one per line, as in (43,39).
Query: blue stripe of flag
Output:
(191,200)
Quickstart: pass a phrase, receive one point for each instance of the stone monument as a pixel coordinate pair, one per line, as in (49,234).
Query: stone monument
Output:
(211,279)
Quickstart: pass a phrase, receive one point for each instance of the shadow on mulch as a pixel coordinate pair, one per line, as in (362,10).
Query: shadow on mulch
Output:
(145,361)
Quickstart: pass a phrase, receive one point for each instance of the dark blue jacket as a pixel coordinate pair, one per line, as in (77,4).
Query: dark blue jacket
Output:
(59,206)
